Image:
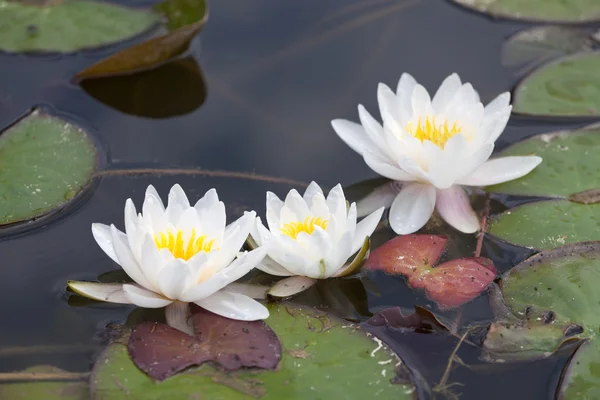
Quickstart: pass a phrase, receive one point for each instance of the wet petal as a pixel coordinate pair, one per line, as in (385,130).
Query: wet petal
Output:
(502,169)
(110,292)
(412,208)
(291,286)
(144,298)
(234,306)
(454,206)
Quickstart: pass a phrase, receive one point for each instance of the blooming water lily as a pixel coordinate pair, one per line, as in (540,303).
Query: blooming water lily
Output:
(434,146)
(179,255)
(312,237)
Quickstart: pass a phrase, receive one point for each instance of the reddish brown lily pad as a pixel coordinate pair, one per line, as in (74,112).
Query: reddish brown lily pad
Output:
(161,351)
(451,284)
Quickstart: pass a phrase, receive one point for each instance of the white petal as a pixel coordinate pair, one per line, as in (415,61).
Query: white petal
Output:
(207,201)
(233,240)
(318,244)
(296,204)
(473,163)
(499,103)
(373,128)
(337,258)
(234,306)
(110,292)
(319,208)
(447,90)
(386,169)
(238,268)
(421,102)
(153,211)
(272,267)
(292,285)
(412,208)
(388,105)
(455,208)
(131,221)
(177,315)
(406,85)
(502,169)
(151,191)
(103,237)
(144,298)
(126,259)
(152,259)
(178,203)
(274,206)
(174,279)
(310,192)
(336,201)
(494,124)
(354,136)
(365,228)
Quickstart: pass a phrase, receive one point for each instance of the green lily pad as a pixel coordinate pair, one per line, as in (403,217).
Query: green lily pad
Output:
(571,164)
(68,25)
(563,281)
(572,11)
(567,87)
(44,163)
(47,390)
(323,357)
(547,224)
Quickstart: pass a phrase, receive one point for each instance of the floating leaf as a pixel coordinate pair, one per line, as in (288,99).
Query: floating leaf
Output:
(44,163)
(185,18)
(323,357)
(572,11)
(563,282)
(567,87)
(570,164)
(53,389)
(591,196)
(450,284)
(547,224)
(542,43)
(161,351)
(68,26)
(173,89)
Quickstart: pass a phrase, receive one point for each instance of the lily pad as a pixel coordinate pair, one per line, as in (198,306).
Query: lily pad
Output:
(572,11)
(571,164)
(48,390)
(185,18)
(44,162)
(67,26)
(547,224)
(567,87)
(563,281)
(450,284)
(323,357)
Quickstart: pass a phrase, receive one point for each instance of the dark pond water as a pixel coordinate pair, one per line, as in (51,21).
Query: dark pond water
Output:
(274,75)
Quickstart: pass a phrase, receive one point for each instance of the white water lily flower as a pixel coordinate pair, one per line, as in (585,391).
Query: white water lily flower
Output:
(312,237)
(435,147)
(179,255)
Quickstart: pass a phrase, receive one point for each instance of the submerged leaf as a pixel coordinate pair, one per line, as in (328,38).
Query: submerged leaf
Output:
(591,196)
(322,357)
(68,26)
(161,351)
(422,320)
(185,18)
(451,284)
(44,163)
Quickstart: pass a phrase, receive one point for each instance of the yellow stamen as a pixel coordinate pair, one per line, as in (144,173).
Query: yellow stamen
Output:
(437,134)
(293,229)
(179,247)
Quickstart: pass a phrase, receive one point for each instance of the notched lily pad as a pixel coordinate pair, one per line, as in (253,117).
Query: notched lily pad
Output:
(555,294)
(185,18)
(161,351)
(322,357)
(547,224)
(572,11)
(571,164)
(450,284)
(67,26)
(567,87)
(44,162)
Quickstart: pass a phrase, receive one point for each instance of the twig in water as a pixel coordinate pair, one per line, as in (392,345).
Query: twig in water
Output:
(484,218)
(43,376)
(443,386)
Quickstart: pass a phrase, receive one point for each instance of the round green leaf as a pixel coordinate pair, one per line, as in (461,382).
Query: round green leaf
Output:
(323,357)
(547,224)
(563,281)
(56,389)
(570,164)
(572,11)
(44,162)
(568,87)
(68,25)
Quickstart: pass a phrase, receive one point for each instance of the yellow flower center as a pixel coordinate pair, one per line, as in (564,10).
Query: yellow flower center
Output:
(181,248)
(437,134)
(293,229)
